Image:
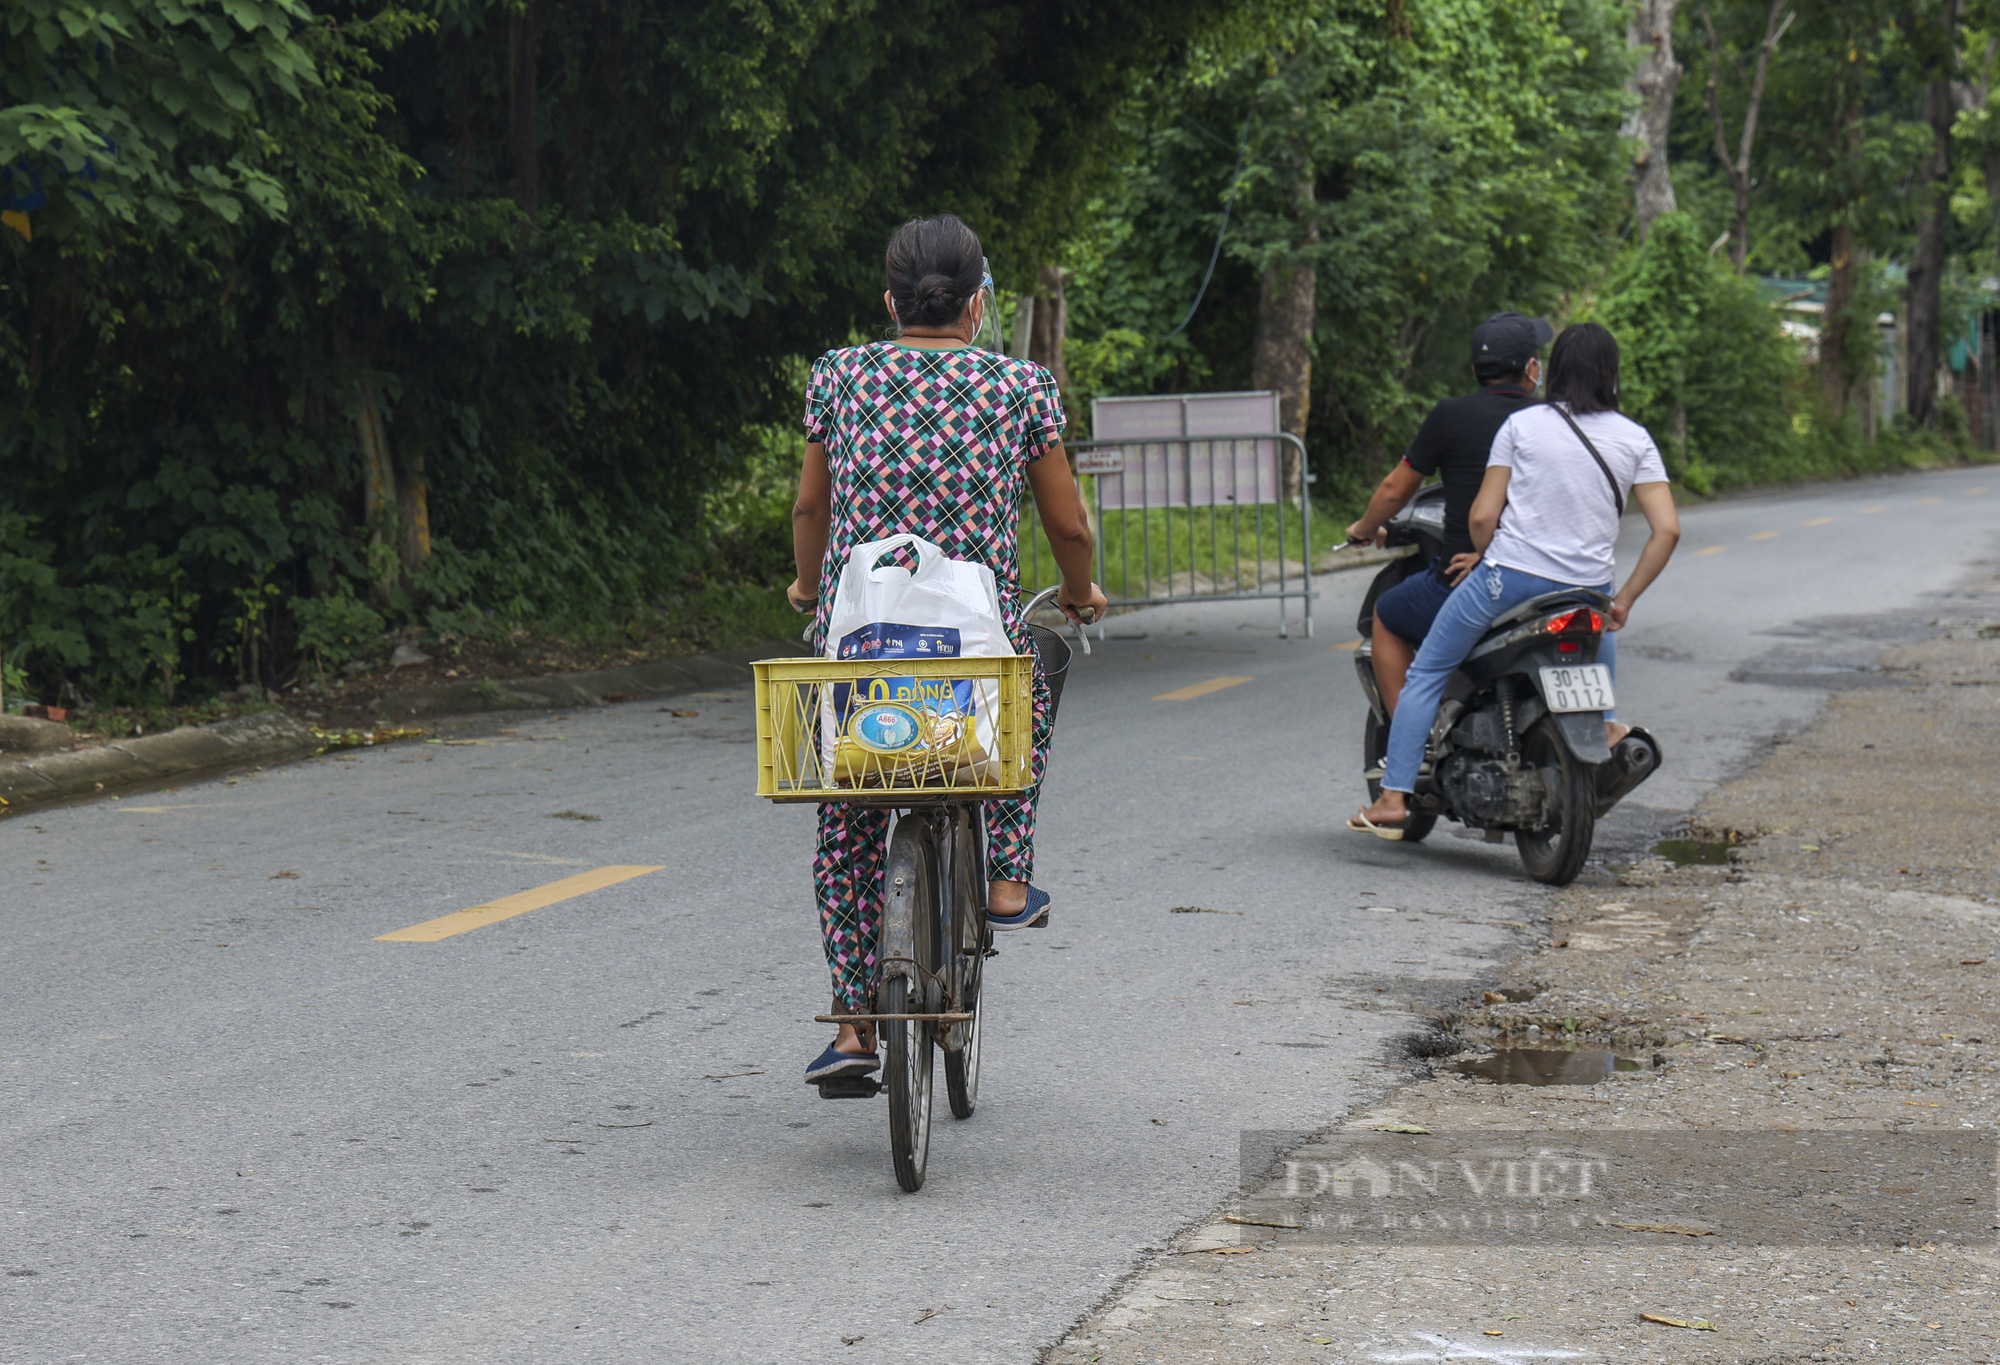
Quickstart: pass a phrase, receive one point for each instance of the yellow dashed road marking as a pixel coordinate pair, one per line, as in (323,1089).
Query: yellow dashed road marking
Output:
(1202,689)
(520,903)
(1871,511)
(1970,491)
(1818,521)
(1711,549)
(1926,502)
(1765,535)
(1351,644)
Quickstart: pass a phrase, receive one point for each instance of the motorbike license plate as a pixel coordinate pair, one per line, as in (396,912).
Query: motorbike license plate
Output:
(1584,687)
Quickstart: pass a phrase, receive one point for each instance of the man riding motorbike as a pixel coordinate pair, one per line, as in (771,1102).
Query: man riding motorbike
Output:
(1452,444)
(1546,519)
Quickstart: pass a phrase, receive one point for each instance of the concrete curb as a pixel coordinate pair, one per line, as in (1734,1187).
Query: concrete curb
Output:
(271,736)
(660,678)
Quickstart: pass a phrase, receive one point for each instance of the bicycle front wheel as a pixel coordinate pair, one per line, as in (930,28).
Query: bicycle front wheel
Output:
(912,883)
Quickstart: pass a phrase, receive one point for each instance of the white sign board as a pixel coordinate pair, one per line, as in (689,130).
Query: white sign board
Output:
(1142,473)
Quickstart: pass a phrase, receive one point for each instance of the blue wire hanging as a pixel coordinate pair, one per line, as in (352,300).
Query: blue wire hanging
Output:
(1242,145)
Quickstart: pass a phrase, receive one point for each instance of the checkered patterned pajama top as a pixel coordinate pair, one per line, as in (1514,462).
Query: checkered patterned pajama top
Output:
(936,443)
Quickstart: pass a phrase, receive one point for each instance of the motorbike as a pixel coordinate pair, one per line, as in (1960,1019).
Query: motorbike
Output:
(1518,745)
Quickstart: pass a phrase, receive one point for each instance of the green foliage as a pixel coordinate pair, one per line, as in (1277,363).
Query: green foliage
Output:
(1705,366)
(1463,156)
(308,267)
(335,627)
(131,109)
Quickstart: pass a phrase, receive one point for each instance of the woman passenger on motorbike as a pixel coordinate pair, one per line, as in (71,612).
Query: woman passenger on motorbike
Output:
(931,435)
(1546,519)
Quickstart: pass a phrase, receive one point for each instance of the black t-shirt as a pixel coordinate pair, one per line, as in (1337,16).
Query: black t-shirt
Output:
(1453,444)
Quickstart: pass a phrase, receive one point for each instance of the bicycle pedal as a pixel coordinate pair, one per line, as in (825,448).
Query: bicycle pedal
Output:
(992,952)
(1041,923)
(849,1088)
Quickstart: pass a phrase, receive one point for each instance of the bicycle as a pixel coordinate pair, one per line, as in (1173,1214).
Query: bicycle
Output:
(934,936)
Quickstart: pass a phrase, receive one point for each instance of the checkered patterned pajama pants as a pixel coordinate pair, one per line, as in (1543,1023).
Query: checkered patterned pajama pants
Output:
(853,845)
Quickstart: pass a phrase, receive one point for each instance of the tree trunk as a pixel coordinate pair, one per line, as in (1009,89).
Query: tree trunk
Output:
(1287,307)
(378,489)
(576,157)
(524,59)
(1834,322)
(413,506)
(1927,261)
(1739,167)
(1048,324)
(1652,27)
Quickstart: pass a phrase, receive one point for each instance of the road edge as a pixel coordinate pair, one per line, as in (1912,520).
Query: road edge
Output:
(195,750)
(557,691)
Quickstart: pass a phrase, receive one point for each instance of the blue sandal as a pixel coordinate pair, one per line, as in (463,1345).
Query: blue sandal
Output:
(1035,915)
(834,1063)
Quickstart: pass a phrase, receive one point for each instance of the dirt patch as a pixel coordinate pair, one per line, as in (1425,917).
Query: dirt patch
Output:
(1829,989)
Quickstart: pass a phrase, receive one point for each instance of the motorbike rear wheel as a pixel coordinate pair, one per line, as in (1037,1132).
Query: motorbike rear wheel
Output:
(1375,749)
(1555,855)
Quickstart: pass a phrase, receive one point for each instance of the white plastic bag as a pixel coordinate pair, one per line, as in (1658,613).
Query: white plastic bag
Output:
(945,608)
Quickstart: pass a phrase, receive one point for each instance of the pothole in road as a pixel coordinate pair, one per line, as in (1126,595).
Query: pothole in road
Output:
(1547,1066)
(1692,852)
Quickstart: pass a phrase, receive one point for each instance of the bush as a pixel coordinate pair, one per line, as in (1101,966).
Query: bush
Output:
(336,627)
(1706,367)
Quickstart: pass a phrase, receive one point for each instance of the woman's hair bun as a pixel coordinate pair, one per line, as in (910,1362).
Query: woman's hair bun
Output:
(935,266)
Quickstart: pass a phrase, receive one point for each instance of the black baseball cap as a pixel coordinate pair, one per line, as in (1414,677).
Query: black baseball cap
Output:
(1506,342)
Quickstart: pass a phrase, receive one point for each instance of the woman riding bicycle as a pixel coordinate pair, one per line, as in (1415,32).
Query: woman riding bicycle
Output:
(930,435)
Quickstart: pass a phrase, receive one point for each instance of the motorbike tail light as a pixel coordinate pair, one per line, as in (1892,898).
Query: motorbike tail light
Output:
(1556,625)
(1596,622)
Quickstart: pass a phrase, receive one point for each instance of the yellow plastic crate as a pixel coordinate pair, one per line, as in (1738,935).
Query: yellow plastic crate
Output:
(898,728)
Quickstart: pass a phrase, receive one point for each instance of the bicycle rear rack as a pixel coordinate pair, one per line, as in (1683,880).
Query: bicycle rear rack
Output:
(947,1018)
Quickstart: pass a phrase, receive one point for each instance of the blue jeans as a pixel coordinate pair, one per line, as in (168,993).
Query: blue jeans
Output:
(1409,608)
(1484,595)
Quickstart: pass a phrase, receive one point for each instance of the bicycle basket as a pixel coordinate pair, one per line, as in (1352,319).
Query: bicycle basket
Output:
(890,730)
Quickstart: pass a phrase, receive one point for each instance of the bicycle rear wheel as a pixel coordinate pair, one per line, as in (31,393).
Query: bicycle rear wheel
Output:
(973,937)
(912,884)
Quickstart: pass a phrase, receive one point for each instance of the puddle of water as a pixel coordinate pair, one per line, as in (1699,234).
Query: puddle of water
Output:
(1685,852)
(1547,1066)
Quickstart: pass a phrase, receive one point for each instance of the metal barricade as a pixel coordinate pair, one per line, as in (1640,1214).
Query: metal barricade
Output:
(1191,519)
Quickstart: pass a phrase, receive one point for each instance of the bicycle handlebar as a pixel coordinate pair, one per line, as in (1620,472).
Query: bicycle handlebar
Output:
(1042,599)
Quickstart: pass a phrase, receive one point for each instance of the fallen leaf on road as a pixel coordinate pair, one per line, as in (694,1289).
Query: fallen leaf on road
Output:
(286,876)
(1400,1128)
(931,1313)
(1692,1324)
(1682,1228)
(1971,961)
(572,815)
(682,714)
(849,1341)
(1320,1341)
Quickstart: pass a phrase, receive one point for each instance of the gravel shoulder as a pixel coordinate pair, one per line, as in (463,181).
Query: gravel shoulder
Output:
(1806,1013)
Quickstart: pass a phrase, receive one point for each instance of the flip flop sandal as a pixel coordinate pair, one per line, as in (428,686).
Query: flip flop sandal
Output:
(1361,824)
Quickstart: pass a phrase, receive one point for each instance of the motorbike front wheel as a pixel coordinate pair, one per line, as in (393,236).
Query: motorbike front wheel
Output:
(1375,749)
(1555,853)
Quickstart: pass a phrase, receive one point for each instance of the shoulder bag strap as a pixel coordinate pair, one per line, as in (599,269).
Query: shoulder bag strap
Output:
(1617,498)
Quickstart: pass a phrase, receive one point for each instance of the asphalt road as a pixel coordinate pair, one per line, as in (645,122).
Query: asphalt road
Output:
(235,1126)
